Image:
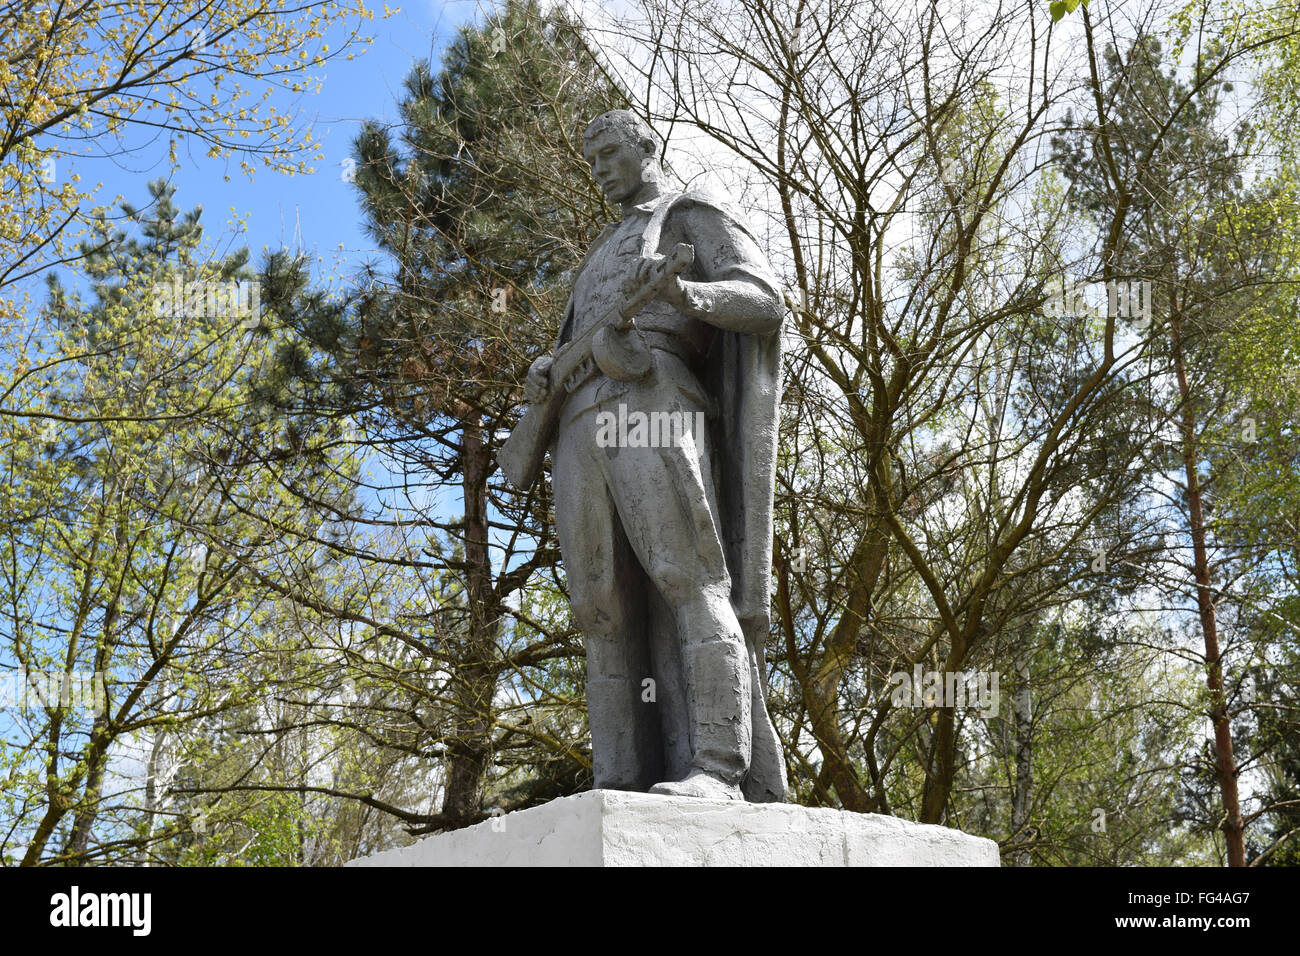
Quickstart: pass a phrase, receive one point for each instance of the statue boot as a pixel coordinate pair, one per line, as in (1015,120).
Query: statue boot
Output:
(626,753)
(717,674)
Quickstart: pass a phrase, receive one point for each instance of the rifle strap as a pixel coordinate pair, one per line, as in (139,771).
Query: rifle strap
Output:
(655,227)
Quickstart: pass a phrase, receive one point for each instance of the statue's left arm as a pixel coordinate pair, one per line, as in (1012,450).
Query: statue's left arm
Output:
(731,285)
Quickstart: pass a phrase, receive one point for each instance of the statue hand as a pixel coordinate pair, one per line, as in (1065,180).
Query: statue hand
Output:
(537,387)
(673,292)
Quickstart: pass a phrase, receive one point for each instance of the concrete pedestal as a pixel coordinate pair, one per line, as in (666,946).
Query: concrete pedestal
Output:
(614,828)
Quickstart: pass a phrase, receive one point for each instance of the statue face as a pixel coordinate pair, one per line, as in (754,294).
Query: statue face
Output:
(617,164)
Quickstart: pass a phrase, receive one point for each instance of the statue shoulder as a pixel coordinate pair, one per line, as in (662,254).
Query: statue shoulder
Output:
(706,201)
(709,211)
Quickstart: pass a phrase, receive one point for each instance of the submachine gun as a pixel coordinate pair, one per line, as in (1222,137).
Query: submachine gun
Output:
(613,343)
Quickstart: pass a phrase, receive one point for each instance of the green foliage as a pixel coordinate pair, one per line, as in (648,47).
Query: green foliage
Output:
(138,501)
(1059,8)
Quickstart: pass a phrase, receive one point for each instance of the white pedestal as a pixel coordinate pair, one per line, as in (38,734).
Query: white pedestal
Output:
(614,828)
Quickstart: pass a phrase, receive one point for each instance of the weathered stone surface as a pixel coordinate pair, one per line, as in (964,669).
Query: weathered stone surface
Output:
(618,828)
(674,323)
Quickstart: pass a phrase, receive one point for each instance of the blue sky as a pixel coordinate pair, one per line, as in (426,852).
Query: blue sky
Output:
(318,212)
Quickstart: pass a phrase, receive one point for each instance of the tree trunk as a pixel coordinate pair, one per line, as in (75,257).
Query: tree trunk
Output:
(88,809)
(1023,793)
(821,681)
(1224,763)
(476,677)
(942,763)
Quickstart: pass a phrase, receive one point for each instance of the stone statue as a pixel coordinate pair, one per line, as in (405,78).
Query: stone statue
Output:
(659,408)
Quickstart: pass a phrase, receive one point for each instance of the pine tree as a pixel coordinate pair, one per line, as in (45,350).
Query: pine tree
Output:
(481,205)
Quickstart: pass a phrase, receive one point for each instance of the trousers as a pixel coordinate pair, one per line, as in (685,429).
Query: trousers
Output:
(668,675)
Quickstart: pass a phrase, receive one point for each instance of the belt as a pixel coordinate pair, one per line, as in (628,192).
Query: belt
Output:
(581,375)
(673,344)
(663,341)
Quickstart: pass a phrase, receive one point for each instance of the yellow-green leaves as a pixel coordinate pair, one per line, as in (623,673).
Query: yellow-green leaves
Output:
(1059,8)
(75,74)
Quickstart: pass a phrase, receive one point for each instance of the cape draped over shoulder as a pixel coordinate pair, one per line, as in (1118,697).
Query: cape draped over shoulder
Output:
(742,374)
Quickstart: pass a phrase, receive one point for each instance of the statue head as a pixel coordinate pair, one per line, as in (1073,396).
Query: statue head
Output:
(623,153)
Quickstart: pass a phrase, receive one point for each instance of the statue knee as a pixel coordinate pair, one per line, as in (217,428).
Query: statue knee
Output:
(595,610)
(590,618)
(699,606)
(681,588)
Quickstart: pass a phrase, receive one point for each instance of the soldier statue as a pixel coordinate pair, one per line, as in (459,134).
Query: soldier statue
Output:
(675,316)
